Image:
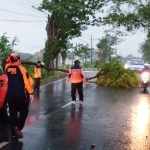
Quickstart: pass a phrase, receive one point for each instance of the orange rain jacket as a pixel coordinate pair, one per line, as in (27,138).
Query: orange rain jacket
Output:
(18,80)
(37,72)
(77,74)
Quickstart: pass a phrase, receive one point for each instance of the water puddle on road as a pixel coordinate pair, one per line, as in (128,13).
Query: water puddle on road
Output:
(140,124)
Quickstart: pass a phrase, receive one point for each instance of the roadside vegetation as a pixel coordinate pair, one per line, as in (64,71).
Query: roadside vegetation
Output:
(113,74)
(7,47)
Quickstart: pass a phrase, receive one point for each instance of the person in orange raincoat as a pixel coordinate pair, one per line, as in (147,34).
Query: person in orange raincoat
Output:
(18,83)
(37,76)
(4,119)
(76,72)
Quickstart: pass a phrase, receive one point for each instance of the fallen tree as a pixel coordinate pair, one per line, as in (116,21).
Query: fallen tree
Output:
(43,66)
(62,70)
(114,74)
(110,74)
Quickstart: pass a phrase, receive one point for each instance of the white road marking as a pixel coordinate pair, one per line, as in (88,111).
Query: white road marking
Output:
(52,82)
(3,144)
(94,87)
(66,105)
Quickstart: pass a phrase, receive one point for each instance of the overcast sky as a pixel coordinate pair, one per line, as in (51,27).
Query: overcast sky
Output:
(32,35)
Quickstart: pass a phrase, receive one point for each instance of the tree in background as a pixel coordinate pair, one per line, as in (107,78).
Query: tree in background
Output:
(63,55)
(30,69)
(107,44)
(66,21)
(130,56)
(145,49)
(131,14)
(6,47)
(82,51)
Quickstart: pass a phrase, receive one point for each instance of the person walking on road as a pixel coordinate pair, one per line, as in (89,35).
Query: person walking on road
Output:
(37,76)
(76,72)
(18,83)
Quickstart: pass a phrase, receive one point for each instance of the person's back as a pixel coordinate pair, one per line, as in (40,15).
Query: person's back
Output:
(77,74)
(15,81)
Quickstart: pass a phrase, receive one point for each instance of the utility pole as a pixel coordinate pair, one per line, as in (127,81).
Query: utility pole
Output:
(91,48)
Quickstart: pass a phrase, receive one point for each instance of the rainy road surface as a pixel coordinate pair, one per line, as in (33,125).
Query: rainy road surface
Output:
(112,119)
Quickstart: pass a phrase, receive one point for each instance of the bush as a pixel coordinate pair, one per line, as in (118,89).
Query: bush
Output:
(30,68)
(87,64)
(113,74)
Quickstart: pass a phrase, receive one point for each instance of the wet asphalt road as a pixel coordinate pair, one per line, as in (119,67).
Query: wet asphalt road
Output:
(110,118)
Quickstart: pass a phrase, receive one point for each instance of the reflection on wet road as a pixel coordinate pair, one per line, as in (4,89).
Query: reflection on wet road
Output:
(34,114)
(111,118)
(140,123)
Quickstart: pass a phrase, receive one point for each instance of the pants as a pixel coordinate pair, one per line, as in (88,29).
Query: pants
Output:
(4,119)
(79,87)
(17,105)
(37,84)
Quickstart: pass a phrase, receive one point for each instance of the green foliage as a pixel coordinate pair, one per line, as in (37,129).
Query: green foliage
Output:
(67,20)
(6,47)
(30,68)
(87,64)
(106,44)
(113,74)
(145,49)
(68,67)
(131,14)
(81,50)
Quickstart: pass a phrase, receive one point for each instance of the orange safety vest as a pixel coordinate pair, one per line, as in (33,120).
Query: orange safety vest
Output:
(77,74)
(37,72)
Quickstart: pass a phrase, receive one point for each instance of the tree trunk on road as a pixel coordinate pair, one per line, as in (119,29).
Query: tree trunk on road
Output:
(62,70)
(63,55)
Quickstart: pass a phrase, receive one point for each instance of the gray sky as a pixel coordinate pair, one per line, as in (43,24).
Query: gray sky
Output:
(32,35)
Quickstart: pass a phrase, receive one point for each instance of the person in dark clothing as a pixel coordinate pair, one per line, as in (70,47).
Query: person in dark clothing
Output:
(76,72)
(18,83)
(37,76)
(146,68)
(4,119)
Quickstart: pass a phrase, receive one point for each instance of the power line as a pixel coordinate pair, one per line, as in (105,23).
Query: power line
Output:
(82,40)
(24,3)
(19,13)
(32,6)
(26,7)
(31,2)
(5,20)
(30,45)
